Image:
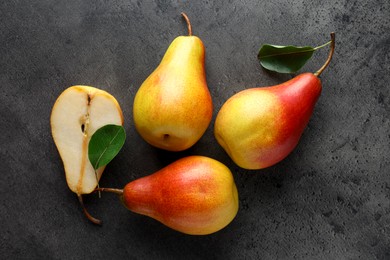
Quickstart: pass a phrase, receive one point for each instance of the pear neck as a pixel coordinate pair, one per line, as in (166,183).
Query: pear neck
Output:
(184,50)
(138,195)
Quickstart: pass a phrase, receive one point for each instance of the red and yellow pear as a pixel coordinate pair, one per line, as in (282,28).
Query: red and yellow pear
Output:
(195,195)
(259,127)
(173,107)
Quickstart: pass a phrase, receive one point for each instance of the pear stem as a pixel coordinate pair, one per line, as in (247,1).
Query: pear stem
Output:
(112,190)
(97,180)
(188,23)
(332,46)
(89,217)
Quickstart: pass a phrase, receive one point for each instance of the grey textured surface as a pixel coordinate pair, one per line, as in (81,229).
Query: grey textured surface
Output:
(330,199)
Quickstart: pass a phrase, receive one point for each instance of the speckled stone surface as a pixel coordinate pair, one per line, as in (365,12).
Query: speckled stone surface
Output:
(330,199)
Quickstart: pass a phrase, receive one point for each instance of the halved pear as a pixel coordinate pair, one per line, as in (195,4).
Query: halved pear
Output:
(78,112)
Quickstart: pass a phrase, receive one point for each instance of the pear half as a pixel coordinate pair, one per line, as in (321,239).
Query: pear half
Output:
(77,113)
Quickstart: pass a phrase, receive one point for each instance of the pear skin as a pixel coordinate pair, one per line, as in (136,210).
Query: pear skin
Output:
(195,195)
(173,107)
(259,127)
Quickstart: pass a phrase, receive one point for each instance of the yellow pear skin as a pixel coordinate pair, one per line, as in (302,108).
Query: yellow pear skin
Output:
(173,107)
(259,127)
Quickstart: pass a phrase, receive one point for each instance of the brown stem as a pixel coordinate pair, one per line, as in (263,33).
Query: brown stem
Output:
(188,23)
(89,217)
(116,191)
(97,180)
(332,46)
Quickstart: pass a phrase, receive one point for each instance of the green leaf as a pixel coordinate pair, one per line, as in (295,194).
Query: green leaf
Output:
(284,59)
(105,144)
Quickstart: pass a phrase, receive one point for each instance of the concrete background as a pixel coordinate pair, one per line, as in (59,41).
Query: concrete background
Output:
(330,199)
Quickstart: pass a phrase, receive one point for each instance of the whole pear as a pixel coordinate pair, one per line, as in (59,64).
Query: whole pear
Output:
(259,127)
(173,107)
(195,195)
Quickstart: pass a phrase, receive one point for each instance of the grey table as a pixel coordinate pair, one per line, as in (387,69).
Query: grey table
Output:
(329,199)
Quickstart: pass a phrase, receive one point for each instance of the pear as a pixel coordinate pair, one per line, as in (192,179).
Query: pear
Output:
(77,113)
(195,195)
(259,127)
(173,107)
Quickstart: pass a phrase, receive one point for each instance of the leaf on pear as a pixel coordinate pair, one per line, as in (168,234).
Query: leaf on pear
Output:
(105,144)
(284,59)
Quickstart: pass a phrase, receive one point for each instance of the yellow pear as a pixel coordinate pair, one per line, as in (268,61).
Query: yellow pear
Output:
(173,107)
(77,113)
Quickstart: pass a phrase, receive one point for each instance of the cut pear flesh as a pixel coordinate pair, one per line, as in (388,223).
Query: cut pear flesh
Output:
(78,112)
